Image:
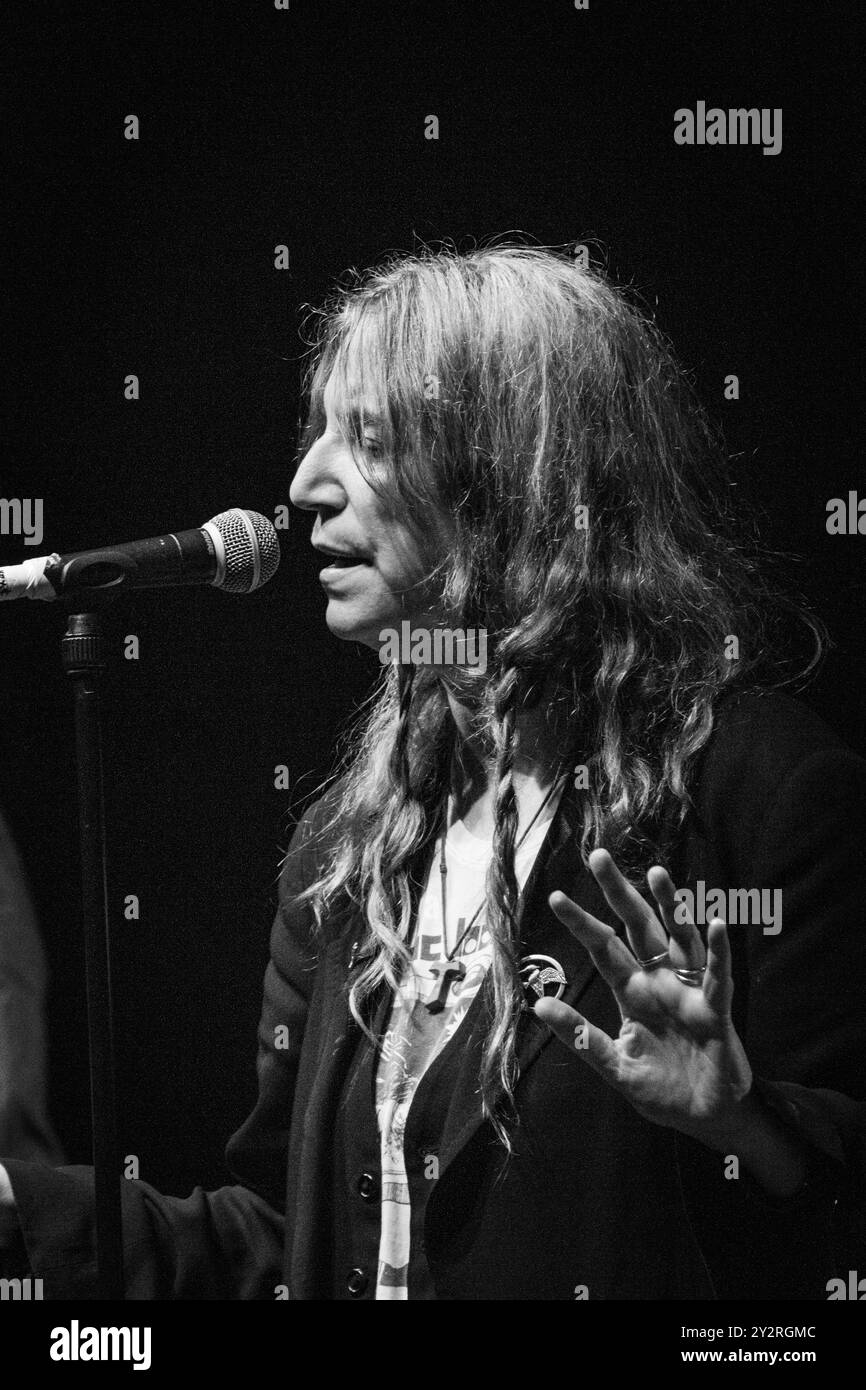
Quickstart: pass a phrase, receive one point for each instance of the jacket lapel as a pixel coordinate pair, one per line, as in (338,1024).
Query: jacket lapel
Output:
(557,866)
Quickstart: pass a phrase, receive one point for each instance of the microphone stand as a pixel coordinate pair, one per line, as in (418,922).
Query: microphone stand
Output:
(83,659)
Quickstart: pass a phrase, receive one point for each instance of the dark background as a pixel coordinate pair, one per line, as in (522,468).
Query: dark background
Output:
(261,127)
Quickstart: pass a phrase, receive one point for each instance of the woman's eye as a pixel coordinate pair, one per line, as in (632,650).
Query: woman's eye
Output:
(373,447)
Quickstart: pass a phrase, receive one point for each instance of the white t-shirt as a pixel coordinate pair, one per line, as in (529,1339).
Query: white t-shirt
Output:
(415,1036)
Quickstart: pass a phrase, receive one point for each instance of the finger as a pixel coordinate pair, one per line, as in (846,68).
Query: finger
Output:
(611,957)
(687,949)
(719,980)
(646,935)
(580,1036)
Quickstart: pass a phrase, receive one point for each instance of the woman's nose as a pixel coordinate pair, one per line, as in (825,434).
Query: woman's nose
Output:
(315,483)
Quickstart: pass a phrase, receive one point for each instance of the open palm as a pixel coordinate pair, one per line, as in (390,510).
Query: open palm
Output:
(677,1059)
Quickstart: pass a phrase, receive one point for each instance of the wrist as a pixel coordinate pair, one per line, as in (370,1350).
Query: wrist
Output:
(734,1127)
(750,1132)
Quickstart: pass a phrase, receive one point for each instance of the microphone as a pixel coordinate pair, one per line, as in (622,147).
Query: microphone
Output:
(237,551)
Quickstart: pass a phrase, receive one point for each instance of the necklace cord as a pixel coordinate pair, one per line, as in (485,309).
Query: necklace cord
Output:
(443,867)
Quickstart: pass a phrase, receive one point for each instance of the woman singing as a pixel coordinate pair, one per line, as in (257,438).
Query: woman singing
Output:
(561,994)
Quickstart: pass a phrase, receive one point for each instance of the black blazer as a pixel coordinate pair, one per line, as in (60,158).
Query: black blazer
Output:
(593,1196)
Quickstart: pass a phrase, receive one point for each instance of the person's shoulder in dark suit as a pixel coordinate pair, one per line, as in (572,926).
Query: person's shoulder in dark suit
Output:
(770,752)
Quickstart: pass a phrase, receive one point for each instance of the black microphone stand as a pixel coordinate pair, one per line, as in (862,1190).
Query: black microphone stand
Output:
(83,658)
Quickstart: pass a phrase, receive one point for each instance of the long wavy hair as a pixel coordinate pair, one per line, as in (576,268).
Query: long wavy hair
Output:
(517,389)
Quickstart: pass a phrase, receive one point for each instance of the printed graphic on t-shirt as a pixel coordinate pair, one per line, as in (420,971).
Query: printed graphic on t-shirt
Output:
(412,1041)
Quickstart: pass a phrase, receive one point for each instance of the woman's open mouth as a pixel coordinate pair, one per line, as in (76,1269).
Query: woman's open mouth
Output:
(339,566)
(343,562)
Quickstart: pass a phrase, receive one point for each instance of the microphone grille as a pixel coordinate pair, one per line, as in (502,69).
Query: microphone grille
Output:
(252,549)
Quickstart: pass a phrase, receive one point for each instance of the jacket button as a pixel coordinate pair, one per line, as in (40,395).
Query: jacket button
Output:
(357,1282)
(366,1187)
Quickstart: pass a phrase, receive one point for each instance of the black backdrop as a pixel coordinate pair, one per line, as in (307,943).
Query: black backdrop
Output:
(156,257)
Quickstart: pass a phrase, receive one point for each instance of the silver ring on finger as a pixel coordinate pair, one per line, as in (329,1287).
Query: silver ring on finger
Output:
(692,977)
(654,962)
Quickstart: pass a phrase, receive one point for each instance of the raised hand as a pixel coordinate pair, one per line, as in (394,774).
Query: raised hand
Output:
(677,1059)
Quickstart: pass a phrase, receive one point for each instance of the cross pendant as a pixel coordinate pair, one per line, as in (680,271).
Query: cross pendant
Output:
(454,970)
